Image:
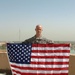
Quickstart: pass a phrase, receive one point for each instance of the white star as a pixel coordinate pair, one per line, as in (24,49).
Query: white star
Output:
(22,54)
(25,45)
(26,55)
(16,45)
(11,48)
(11,45)
(18,60)
(29,53)
(13,54)
(29,49)
(15,60)
(20,45)
(21,58)
(26,51)
(15,48)
(29,46)
(26,59)
(17,54)
(20,49)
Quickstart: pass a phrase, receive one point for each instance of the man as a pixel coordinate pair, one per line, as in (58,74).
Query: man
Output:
(38,39)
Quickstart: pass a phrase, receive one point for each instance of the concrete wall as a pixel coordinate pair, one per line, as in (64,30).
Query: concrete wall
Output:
(72,64)
(4,64)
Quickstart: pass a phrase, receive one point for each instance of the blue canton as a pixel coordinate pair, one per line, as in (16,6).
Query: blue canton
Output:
(19,53)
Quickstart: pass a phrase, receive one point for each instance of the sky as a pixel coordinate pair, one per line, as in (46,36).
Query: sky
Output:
(18,19)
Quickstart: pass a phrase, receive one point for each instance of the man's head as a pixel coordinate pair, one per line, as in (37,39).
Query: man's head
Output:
(38,30)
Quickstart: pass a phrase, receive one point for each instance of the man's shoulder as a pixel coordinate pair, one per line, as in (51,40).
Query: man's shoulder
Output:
(44,38)
(29,40)
(47,40)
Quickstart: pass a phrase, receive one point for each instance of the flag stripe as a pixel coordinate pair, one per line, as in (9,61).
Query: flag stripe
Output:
(40,65)
(40,71)
(43,63)
(31,68)
(49,60)
(60,57)
(16,73)
(50,54)
(51,45)
(55,63)
(50,48)
(21,73)
(50,51)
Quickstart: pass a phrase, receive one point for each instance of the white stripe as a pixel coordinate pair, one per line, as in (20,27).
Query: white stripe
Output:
(40,66)
(15,73)
(41,71)
(49,54)
(49,60)
(50,48)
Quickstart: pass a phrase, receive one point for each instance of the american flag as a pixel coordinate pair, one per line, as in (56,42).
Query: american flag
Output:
(38,59)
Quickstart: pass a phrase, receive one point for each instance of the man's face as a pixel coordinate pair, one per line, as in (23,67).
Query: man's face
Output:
(38,29)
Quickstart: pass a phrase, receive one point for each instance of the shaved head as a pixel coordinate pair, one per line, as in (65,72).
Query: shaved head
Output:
(38,30)
(38,26)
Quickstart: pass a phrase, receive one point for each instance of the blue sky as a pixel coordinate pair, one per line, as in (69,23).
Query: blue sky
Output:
(56,16)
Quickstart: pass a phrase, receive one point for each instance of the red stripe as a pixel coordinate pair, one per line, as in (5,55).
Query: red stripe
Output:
(17,72)
(50,51)
(50,63)
(31,68)
(50,45)
(38,73)
(59,57)
(44,74)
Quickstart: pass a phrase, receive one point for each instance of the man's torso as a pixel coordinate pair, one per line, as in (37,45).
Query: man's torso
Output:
(40,40)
